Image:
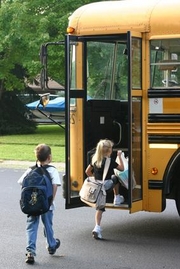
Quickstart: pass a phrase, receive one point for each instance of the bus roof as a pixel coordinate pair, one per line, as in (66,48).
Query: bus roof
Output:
(156,17)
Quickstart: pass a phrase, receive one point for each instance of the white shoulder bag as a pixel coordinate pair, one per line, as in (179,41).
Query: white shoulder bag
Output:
(93,192)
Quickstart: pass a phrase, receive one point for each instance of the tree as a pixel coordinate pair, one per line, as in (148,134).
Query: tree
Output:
(24,26)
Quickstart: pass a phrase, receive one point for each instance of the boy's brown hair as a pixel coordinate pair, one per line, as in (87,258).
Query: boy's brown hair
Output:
(42,152)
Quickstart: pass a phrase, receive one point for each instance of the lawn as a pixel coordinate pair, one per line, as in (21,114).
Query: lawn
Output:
(21,147)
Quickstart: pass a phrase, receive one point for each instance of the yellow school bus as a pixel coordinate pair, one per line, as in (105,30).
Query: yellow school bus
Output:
(123,83)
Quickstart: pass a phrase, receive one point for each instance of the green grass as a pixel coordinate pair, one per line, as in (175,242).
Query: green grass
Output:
(21,147)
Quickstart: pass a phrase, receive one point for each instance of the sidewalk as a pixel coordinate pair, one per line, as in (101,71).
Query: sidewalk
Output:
(26,164)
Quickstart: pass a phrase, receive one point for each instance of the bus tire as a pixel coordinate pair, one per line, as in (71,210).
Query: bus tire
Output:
(177,198)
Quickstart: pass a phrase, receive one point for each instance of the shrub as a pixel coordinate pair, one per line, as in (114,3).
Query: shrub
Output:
(12,116)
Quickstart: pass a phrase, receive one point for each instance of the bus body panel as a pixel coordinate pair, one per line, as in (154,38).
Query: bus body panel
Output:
(154,17)
(126,58)
(152,20)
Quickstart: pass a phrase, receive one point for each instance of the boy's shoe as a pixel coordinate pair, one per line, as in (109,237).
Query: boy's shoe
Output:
(96,233)
(53,250)
(29,258)
(119,199)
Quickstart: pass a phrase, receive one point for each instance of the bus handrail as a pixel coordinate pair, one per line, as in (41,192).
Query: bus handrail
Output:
(120,131)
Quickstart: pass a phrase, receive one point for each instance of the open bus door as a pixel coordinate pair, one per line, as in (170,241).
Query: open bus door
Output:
(100,104)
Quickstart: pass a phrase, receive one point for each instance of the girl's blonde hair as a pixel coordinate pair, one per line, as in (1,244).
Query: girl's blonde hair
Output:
(103,147)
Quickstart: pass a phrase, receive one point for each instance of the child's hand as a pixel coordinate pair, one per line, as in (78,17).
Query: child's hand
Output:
(119,152)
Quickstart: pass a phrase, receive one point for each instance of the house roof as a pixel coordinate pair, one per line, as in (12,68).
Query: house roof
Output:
(53,86)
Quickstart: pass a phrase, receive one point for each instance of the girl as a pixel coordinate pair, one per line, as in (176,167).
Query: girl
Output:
(96,168)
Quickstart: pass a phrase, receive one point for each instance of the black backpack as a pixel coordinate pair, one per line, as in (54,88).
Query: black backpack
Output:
(36,192)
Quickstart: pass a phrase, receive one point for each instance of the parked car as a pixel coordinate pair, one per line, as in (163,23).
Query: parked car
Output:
(55,109)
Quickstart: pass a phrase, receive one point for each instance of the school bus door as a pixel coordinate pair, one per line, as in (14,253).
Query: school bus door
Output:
(77,128)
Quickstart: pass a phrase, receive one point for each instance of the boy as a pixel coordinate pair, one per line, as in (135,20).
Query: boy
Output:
(44,157)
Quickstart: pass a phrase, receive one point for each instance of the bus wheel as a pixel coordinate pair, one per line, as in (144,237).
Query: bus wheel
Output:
(177,199)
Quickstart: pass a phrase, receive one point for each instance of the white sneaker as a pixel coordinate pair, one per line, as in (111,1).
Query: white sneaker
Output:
(118,199)
(96,233)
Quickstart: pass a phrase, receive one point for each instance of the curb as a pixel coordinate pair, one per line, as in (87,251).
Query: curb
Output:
(26,164)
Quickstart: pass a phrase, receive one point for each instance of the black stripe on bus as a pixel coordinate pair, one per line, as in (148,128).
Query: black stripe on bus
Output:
(164,139)
(155,184)
(163,118)
(160,93)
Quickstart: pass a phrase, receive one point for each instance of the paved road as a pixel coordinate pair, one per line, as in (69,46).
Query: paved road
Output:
(138,241)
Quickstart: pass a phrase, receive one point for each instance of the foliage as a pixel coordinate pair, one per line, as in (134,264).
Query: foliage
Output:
(24,26)
(101,64)
(12,116)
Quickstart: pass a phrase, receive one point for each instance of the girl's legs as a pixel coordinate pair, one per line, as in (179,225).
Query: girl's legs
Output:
(116,189)
(118,199)
(97,229)
(98,217)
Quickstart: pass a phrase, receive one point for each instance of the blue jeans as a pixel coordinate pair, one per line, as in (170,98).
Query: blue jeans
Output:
(32,230)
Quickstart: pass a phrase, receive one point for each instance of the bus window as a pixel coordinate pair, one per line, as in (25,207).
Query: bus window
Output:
(136,63)
(137,146)
(107,69)
(165,62)
(73,71)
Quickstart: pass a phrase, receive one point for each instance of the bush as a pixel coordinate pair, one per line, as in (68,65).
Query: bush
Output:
(12,116)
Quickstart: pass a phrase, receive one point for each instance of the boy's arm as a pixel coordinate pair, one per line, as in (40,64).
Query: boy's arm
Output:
(20,180)
(54,190)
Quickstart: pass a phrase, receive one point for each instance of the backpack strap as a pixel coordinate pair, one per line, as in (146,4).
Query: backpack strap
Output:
(43,169)
(106,167)
(34,166)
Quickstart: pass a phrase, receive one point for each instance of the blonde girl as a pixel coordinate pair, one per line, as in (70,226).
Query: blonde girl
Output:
(96,168)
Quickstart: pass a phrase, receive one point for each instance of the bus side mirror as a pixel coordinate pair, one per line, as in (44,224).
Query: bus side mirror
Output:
(44,100)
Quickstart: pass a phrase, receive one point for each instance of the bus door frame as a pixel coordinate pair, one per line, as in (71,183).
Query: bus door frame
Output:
(129,54)
(72,202)
(136,205)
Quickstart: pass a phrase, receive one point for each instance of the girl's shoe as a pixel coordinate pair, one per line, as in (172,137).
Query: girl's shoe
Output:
(118,199)
(96,233)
